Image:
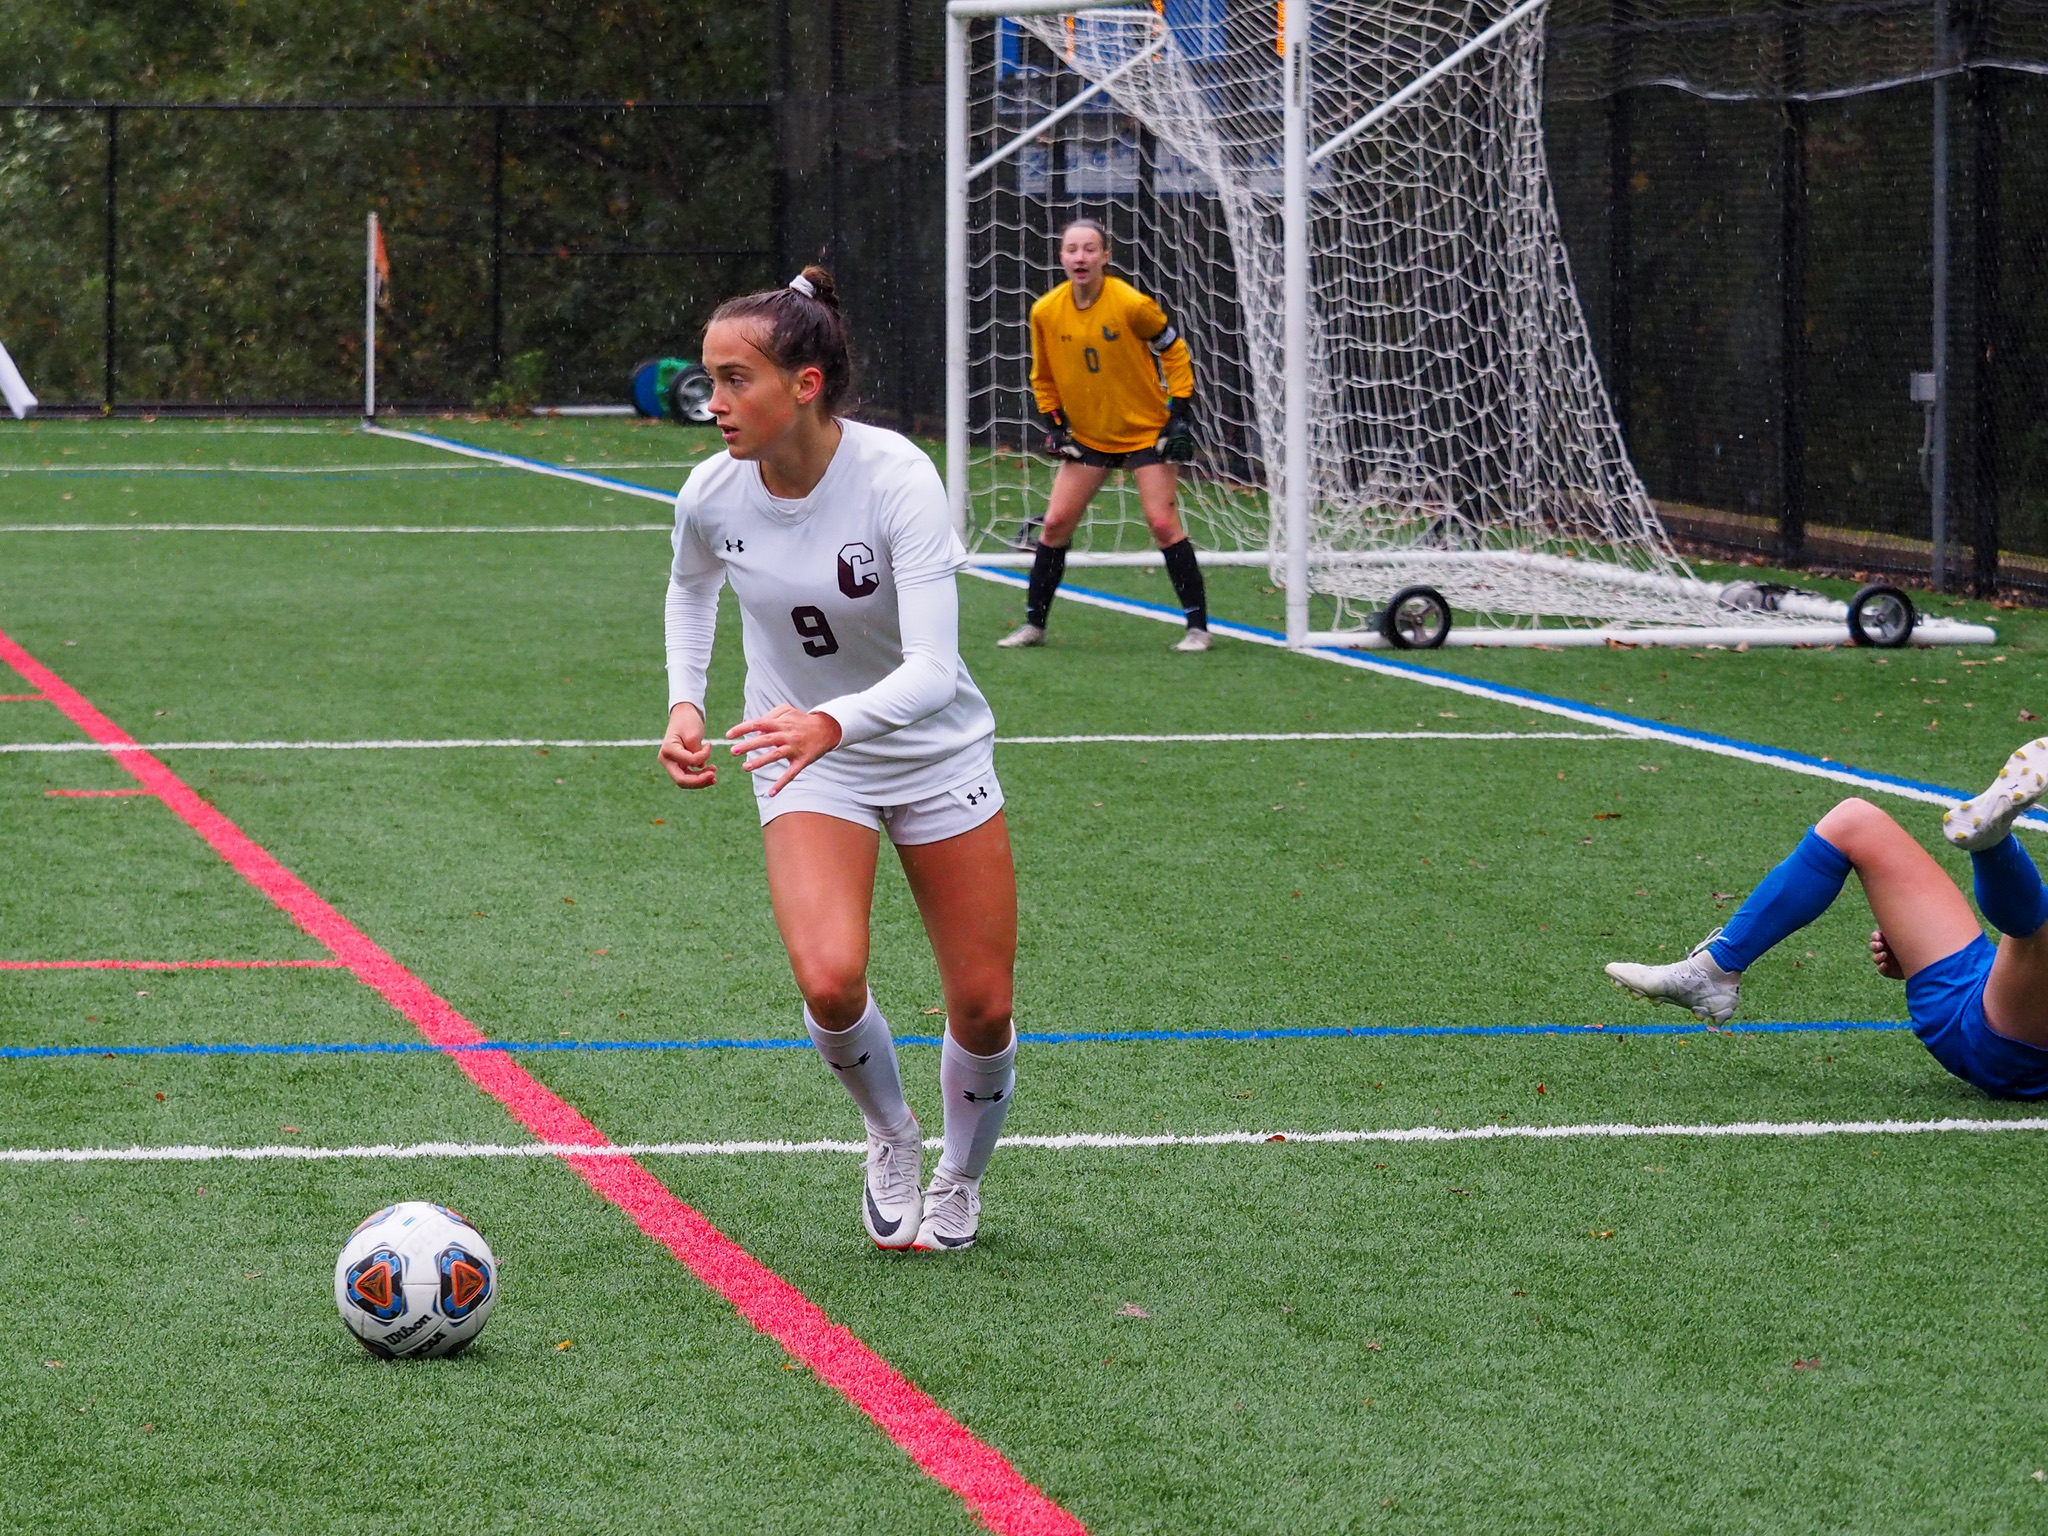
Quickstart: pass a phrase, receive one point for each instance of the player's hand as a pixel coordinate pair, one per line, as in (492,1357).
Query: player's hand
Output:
(784,735)
(684,752)
(1059,442)
(1177,440)
(1882,957)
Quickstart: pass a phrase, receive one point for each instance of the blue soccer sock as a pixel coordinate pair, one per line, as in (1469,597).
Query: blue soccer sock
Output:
(2009,889)
(1791,896)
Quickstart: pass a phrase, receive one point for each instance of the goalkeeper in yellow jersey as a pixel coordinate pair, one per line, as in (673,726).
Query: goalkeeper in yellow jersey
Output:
(1115,385)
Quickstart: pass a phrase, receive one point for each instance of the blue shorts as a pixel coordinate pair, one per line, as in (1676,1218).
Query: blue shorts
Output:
(1946,1002)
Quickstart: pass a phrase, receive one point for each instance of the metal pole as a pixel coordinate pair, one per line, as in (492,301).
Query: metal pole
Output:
(956,270)
(1295,270)
(1792,169)
(370,321)
(497,242)
(113,169)
(1941,374)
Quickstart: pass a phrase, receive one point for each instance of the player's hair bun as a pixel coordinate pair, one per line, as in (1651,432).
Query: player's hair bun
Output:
(823,287)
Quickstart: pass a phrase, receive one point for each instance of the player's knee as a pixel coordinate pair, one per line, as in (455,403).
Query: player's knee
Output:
(1852,822)
(980,1021)
(835,989)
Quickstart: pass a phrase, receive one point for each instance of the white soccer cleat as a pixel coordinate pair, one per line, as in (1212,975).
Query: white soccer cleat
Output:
(1022,635)
(1193,641)
(890,1204)
(1985,820)
(1696,983)
(952,1213)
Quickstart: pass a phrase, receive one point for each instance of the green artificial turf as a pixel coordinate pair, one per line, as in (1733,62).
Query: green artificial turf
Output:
(1679,1334)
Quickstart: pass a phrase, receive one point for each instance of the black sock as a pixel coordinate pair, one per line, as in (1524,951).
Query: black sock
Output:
(1187,582)
(1046,571)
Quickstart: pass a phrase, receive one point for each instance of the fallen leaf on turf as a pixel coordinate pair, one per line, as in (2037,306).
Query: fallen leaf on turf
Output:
(1585,840)
(569,900)
(659,822)
(1518,1293)
(1374,1344)
(1648,768)
(1541,1089)
(1608,1233)
(2028,714)
(1642,893)
(1131,1309)
(148,1428)
(2040,1476)
(1276,1136)
(1723,895)
(159,1098)
(252,1274)
(564,1344)
(289,1130)
(55,1365)
(1807,1365)
(935,1010)
(1607,815)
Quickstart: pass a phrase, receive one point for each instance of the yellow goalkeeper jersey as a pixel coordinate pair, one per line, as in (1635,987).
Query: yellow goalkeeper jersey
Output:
(1109,368)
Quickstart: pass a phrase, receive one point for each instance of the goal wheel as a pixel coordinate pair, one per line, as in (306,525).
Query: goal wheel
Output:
(1416,619)
(1881,615)
(689,395)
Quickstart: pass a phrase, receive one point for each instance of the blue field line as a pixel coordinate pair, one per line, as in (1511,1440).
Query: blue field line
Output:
(1027,1037)
(1591,713)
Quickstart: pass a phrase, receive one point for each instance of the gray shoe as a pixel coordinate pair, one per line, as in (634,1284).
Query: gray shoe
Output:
(1023,635)
(1695,983)
(952,1213)
(1985,820)
(1191,642)
(890,1203)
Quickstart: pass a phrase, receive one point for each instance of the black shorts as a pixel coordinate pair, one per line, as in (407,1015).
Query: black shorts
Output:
(1137,458)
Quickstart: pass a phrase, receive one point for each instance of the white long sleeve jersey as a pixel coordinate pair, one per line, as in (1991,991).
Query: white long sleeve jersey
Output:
(848,608)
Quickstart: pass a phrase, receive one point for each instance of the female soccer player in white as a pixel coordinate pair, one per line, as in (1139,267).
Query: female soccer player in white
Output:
(837,540)
(1117,388)
(1982,1011)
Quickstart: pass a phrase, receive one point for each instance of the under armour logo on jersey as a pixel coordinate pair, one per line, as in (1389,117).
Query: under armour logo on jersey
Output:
(848,1066)
(1109,334)
(735,546)
(857,574)
(977,794)
(982,1098)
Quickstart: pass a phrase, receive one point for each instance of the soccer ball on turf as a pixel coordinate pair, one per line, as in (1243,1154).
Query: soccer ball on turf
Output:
(415,1280)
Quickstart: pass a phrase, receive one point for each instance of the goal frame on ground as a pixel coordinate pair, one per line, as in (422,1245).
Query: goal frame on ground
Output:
(1783,619)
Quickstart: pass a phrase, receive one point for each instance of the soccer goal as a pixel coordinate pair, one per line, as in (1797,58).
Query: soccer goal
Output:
(1346,209)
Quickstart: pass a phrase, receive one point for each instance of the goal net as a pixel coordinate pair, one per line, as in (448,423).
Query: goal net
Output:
(1441,420)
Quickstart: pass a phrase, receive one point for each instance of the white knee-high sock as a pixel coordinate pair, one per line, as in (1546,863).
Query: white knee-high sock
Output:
(977,1091)
(864,1058)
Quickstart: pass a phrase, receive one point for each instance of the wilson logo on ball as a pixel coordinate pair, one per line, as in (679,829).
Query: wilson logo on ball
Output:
(376,1283)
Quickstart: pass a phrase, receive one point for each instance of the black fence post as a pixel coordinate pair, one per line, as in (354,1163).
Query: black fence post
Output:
(779,131)
(1985,236)
(1792,293)
(899,239)
(497,242)
(1620,220)
(113,169)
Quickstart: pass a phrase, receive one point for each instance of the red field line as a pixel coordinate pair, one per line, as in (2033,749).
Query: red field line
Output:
(92,794)
(976,1472)
(168,965)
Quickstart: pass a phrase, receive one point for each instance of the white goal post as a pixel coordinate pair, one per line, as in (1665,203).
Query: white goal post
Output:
(1345,207)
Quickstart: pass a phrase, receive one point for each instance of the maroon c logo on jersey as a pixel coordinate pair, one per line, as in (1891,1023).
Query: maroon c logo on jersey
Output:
(857,574)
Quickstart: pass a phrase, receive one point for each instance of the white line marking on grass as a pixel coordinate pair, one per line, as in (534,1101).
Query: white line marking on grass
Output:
(1076,1141)
(655,741)
(331,528)
(1515,698)
(514,461)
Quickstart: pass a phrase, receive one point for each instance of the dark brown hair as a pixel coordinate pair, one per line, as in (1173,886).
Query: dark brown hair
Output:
(1085,223)
(801,330)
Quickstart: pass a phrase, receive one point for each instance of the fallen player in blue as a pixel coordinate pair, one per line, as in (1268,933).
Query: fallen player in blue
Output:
(1982,1011)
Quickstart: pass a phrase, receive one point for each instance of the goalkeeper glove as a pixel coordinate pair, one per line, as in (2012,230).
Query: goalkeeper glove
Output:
(1059,442)
(1177,440)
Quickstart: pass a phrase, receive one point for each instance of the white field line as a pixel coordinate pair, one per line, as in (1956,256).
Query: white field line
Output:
(2035,821)
(332,528)
(533,466)
(439,467)
(655,741)
(1088,1141)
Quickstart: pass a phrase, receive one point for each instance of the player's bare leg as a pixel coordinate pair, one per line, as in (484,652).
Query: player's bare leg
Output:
(1158,494)
(966,891)
(1921,914)
(1073,487)
(821,881)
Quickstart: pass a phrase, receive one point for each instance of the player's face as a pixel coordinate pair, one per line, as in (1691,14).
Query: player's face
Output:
(754,402)
(1081,253)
